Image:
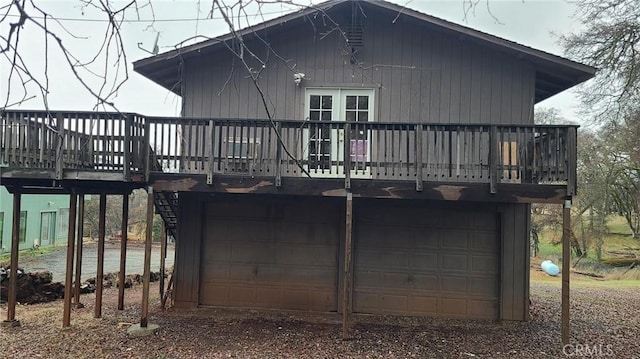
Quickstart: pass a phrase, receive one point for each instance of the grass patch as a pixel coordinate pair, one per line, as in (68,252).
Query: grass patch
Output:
(5,258)
(618,225)
(618,247)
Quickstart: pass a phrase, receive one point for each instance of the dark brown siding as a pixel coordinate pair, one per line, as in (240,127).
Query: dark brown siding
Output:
(420,75)
(420,260)
(410,257)
(515,261)
(188,250)
(271,253)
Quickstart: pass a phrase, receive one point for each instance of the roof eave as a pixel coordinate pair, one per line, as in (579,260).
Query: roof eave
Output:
(557,64)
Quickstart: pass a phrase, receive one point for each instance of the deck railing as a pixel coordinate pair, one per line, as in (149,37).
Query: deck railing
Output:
(58,141)
(130,143)
(371,150)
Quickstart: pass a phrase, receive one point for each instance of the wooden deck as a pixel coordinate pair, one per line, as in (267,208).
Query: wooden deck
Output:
(119,151)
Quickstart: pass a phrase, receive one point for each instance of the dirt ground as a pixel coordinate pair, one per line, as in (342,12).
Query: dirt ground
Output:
(604,319)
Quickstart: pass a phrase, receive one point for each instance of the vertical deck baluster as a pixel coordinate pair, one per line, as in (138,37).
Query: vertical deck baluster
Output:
(558,159)
(225,152)
(394,161)
(278,155)
(188,144)
(377,133)
(347,155)
(524,177)
(21,140)
(572,158)
(30,142)
(102,141)
(113,121)
(549,157)
(219,131)
(82,143)
(418,154)
(262,151)
(210,164)
(5,129)
(203,145)
(177,134)
(126,148)
(39,138)
(442,162)
(493,159)
(407,132)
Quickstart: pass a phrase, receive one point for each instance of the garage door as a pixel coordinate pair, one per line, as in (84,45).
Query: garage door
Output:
(429,262)
(271,254)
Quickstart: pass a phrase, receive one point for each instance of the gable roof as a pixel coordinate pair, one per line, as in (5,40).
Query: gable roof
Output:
(554,74)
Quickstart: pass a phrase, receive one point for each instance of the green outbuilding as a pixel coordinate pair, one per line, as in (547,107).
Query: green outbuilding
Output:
(44,220)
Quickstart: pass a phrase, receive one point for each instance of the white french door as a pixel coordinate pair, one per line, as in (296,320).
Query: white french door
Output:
(324,141)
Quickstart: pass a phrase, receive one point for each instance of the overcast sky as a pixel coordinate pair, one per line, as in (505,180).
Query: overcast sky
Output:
(534,23)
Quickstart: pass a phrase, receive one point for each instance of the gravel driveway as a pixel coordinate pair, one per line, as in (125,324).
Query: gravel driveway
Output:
(603,318)
(55,261)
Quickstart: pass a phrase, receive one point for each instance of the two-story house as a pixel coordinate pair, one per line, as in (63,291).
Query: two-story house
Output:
(354,156)
(429,126)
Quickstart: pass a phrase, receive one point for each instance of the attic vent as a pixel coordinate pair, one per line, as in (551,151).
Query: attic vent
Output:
(355,35)
(355,31)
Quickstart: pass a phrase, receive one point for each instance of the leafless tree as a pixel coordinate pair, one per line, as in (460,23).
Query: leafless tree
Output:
(610,42)
(108,63)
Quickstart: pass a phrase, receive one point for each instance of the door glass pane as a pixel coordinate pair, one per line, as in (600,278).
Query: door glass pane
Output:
(327,102)
(351,116)
(23,226)
(363,102)
(63,223)
(47,227)
(357,110)
(351,102)
(44,227)
(319,146)
(314,102)
(1,227)
(326,115)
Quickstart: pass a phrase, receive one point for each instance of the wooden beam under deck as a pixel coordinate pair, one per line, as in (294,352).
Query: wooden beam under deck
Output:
(69,175)
(38,186)
(362,188)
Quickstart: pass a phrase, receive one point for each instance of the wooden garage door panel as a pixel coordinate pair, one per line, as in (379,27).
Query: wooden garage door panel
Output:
(266,262)
(433,267)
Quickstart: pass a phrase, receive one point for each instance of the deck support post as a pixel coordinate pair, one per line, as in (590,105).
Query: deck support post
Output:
(123,250)
(566,258)
(13,271)
(163,256)
(346,279)
(100,269)
(68,283)
(79,245)
(147,261)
